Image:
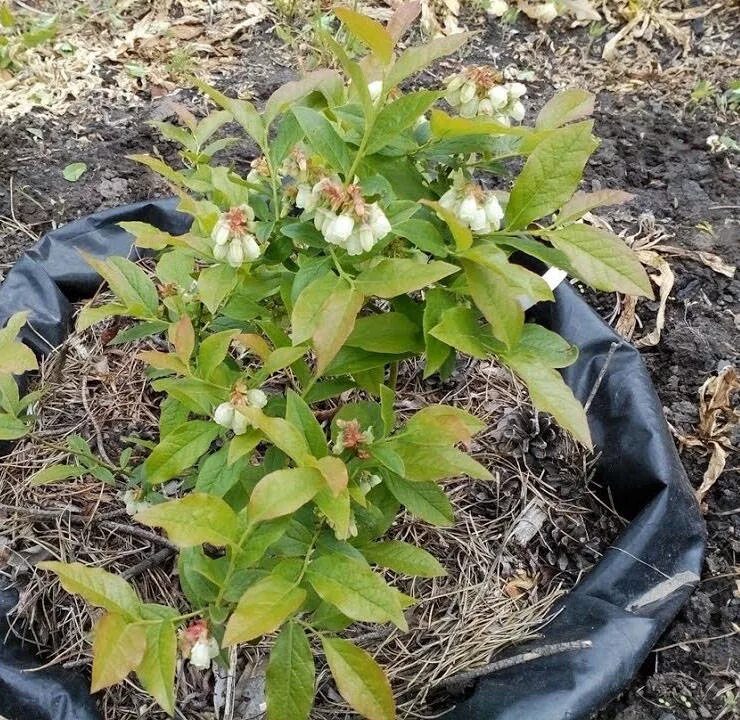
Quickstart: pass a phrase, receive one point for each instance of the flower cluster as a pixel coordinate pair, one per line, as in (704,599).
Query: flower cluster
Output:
(475,207)
(227,414)
(198,645)
(133,502)
(543,12)
(342,215)
(234,241)
(480,90)
(352,437)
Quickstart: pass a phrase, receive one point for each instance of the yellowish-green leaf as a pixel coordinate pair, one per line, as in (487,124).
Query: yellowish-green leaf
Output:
(212,352)
(323,138)
(118,648)
(368,31)
(337,509)
(425,500)
(583,202)
(17,358)
(290,675)
(421,56)
(194,519)
(164,361)
(97,586)
(461,234)
(284,435)
(402,557)
(283,492)
(11,427)
(551,175)
(90,316)
(565,107)
(355,589)
(242,445)
(55,473)
(444,126)
(601,259)
(241,110)
(182,336)
(74,171)
(290,93)
(397,276)
(215,284)
(263,608)
(335,473)
(179,450)
(360,680)
(156,672)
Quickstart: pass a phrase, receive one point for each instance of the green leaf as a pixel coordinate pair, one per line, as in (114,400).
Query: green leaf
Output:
(118,648)
(90,316)
(323,138)
(182,336)
(54,473)
(547,347)
(418,57)
(325,311)
(263,608)
(241,110)
(438,301)
(201,577)
(97,586)
(550,175)
(299,414)
(535,248)
(425,500)
(550,394)
(283,492)
(281,358)
(241,445)
(567,106)
(128,282)
(290,676)
(368,31)
(289,132)
(583,202)
(193,520)
(9,395)
(397,276)
(74,171)
(601,259)
(387,400)
(355,589)
(402,557)
(179,450)
(260,540)
(459,328)
(156,672)
(196,395)
(11,427)
(461,234)
(443,424)
(396,117)
(288,95)
(494,298)
(424,235)
(336,508)
(389,332)
(426,460)
(213,351)
(215,284)
(446,127)
(280,433)
(360,680)
(163,361)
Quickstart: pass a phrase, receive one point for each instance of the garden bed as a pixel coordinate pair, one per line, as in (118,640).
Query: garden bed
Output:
(519,543)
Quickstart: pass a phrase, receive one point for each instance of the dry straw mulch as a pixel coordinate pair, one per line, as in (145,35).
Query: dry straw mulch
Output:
(520,541)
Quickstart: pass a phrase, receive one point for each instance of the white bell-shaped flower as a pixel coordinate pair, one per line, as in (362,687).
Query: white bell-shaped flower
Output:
(498,96)
(224,414)
(375,88)
(250,247)
(378,221)
(493,210)
(468,91)
(468,208)
(366,237)
(235,256)
(239,424)
(203,652)
(221,230)
(256,398)
(339,229)
(517,111)
(516,90)
(485,107)
(220,252)
(470,108)
(306,198)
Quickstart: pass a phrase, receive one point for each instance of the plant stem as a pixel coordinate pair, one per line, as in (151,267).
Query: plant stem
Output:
(393,375)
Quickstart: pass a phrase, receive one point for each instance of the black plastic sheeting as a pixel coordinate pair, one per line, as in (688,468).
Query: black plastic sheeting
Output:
(622,606)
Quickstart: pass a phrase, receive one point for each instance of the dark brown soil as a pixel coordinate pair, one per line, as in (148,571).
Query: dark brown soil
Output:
(652,146)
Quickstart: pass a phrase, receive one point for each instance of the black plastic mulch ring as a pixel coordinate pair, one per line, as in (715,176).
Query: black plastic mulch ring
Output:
(622,607)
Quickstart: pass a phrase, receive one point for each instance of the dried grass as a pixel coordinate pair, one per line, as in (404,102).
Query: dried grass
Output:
(498,592)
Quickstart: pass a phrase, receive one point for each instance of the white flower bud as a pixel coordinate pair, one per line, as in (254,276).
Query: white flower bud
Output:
(455,82)
(470,108)
(468,209)
(498,96)
(224,414)
(378,221)
(449,199)
(256,398)
(485,107)
(517,111)
(516,90)
(366,237)
(353,246)
(468,91)
(250,247)
(220,233)
(322,218)
(547,13)
(239,424)
(220,252)
(478,222)
(339,229)
(497,8)
(494,213)
(375,88)
(203,652)
(235,256)
(305,198)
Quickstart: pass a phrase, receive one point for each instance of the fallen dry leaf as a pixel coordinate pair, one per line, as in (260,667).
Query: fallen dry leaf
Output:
(519,585)
(664,280)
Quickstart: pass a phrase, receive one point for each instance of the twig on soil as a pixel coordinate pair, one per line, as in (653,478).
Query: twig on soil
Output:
(159,557)
(139,533)
(465,678)
(98,432)
(600,378)
(695,641)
